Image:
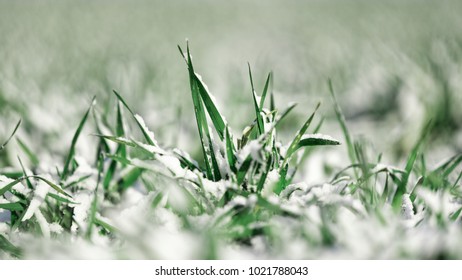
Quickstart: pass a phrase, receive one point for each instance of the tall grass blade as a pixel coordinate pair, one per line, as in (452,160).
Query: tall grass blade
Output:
(402,186)
(70,156)
(342,122)
(256,105)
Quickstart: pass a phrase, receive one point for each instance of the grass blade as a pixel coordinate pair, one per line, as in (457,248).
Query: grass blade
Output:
(293,146)
(316,140)
(402,186)
(256,102)
(230,151)
(265,90)
(11,136)
(341,120)
(31,155)
(16,206)
(70,156)
(8,247)
(148,135)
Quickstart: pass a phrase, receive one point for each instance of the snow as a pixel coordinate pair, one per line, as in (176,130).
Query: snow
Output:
(407,209)
(253,148)
(150,148)
(41,191)
(44,226)
(215,190)
(319,136)
(56,228)
(270,182)
(145,128)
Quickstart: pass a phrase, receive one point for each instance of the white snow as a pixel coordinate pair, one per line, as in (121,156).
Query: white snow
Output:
(41,191)
(319,136)
(145,128)
(407,209)
(214,189)
(44,226)
(253,148)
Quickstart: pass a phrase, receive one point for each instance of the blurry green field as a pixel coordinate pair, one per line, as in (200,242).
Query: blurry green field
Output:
(395,67)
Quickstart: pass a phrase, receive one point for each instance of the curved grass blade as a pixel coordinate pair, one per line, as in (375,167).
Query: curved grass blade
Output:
(11,136)
(70,155)
(51,184)
(146,133)
(10,185)
(316,140)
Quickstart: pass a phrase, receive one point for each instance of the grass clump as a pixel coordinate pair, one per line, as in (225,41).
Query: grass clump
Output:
(136,199)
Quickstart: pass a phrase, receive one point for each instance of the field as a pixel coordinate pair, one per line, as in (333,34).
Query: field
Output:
(168,130)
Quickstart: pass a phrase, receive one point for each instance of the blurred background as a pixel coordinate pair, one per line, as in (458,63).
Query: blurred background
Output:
(394,65)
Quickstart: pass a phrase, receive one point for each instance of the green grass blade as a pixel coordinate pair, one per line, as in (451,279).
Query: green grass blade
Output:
(341,120)
(201,90)
(255,103)
(402,186)
(9,248)
(230,151)
(61,199)
(16,206)
(10,185)
(29,184)
(265,90)
(261,182)
(31,155)
(52,185)
(293,146)
(316,140)
(94,203)
(201,98)
(70,156)
(129,178)
(243,169)
(11,136)
(144,130)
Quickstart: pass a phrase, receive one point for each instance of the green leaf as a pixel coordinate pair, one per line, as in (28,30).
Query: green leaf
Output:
(70,155)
